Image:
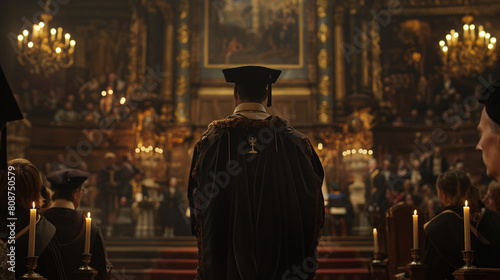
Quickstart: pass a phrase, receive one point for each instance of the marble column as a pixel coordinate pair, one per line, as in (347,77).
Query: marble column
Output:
(339,60)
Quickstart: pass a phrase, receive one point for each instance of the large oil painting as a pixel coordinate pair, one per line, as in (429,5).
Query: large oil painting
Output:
(265,32)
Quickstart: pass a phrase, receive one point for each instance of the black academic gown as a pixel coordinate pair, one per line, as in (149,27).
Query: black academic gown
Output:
(445,241)
(70,225)
(49,263)
(256,215)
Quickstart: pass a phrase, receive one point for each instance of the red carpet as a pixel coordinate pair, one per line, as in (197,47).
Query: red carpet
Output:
(176,259)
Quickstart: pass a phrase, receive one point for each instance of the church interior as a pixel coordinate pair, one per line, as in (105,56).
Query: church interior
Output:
(384,85)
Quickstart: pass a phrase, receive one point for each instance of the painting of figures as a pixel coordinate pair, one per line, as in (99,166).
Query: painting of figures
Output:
(264,32)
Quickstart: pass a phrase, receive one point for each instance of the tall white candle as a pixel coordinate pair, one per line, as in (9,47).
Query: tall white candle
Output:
(415,230)
(32,231)
(88,221)
(466,227)
(375,240)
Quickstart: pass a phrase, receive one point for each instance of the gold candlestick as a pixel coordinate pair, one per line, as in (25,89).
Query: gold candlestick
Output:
(86,260)
(85,272)
(31,264)
(468,259)
(376,257)
(415,254)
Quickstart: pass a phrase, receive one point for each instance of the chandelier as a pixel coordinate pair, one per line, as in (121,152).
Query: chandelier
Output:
(471,54)
(46,51)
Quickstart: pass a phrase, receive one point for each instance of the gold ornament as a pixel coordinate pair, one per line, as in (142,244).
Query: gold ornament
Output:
(324,85)
(322,6)
(323,59)
(324,112)
(183,58)
(184,9)
(323,33)
(181,85)
(183,33)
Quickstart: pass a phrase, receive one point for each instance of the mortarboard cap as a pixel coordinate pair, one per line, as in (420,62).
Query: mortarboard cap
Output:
(491,99)
(67,179)
(253,75)
(9,111)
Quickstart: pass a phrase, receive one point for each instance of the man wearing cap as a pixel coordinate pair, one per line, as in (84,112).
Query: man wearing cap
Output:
(489,130)
(255,190)
(70,223)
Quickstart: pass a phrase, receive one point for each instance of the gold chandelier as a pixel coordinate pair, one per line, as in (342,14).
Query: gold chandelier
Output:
(471,54)
(45,51)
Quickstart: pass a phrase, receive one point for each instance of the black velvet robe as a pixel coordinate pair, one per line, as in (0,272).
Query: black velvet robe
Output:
(70,225)
(49,263)
(445,241)
(256,215)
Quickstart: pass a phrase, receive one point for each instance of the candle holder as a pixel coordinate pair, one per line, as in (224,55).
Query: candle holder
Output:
(31,264)
(85,272)
(376,257)
(468,258)
(415,254)
(86,260)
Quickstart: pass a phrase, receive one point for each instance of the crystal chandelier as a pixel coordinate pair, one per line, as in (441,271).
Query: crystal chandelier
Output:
(471,54)
(46,52)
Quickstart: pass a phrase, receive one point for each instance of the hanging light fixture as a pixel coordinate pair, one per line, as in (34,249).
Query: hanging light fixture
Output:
(45,51)
(469,54)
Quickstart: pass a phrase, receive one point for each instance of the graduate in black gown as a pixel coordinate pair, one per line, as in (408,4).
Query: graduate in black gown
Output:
(255,190)
(70,223)
(445,232)
(27,187)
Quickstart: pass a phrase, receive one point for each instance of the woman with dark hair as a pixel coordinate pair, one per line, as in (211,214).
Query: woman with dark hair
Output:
(445,233)
(27,188)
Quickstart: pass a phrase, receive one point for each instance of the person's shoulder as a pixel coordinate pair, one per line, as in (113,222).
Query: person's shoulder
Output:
(442,219)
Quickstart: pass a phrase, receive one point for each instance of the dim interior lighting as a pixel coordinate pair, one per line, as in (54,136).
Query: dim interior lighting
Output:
(320,146)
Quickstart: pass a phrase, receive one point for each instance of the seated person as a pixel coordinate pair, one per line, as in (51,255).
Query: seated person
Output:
(445,233)
(28,186)
(492,197)
(70,223)
(339,207)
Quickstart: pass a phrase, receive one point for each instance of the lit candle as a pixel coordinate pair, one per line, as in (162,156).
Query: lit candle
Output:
(31,242)
(375,240)
(66,39)
(448,39)
(35,27)
(53,34)
(466,227)
(72,44)
(20,41)
(25,34)
(87,234)
(472,32)
(415,230)
(59,33)
(466,31)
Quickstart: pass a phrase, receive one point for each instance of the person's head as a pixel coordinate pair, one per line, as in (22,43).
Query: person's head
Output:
(251,82)
(454,187)
(28,185)
(110,159)
(67,185)
(372,164)
(173,182)
(489,130)
(492,197)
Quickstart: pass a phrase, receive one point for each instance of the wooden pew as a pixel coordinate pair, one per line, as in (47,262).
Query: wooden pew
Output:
(399,228)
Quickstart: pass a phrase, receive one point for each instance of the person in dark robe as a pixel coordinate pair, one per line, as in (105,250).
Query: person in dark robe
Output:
(28,185)
(375,186)
(255,190)
(171,212)
(71,226)
(445,232)
(113,192)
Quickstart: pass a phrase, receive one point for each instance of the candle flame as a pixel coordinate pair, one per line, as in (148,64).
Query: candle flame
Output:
(466,203)
(415,212)
(33,205)
(374,230)
(88,214)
